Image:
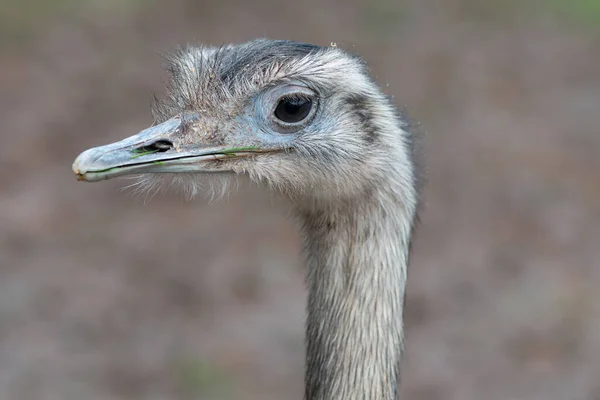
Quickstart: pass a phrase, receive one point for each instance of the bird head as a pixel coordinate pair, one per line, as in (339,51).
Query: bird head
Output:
(305,120)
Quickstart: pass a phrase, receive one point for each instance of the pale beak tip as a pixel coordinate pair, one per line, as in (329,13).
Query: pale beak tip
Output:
(77,167)
(85,160)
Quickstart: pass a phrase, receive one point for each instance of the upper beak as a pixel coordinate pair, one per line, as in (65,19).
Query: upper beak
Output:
(152,151)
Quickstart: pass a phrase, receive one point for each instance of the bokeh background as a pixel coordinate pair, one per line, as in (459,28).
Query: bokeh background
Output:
(104,295)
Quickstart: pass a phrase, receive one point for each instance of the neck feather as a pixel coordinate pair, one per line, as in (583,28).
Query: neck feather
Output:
(357,260)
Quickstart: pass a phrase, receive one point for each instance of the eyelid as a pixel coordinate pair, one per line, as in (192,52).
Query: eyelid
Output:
(290,91)
(274,96)
(294,96)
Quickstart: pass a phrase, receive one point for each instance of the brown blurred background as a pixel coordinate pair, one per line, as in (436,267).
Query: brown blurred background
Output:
(105,297)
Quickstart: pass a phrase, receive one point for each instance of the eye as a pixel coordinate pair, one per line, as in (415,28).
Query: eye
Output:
(293,109)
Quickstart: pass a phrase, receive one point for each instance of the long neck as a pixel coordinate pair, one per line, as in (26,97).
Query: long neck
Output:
(357,259)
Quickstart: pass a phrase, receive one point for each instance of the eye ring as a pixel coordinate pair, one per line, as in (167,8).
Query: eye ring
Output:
(293,109)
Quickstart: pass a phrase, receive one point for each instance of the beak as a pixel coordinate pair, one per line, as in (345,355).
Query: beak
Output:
(153,151)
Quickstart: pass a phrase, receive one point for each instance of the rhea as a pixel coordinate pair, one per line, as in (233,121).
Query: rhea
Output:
(311,125)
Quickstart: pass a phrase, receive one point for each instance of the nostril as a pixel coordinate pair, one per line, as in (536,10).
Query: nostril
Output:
(162,145)
(155,147)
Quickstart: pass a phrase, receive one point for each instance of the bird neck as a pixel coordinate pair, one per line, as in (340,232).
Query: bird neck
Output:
(357,256)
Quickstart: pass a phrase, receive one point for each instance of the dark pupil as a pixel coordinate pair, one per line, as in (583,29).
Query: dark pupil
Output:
(293,109)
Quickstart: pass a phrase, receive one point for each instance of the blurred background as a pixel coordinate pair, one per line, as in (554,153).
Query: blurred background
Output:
(104,295)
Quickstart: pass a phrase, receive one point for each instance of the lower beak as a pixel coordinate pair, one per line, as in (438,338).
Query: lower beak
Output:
(152,151)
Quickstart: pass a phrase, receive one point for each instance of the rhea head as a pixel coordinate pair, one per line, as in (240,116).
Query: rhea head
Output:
(306,120)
